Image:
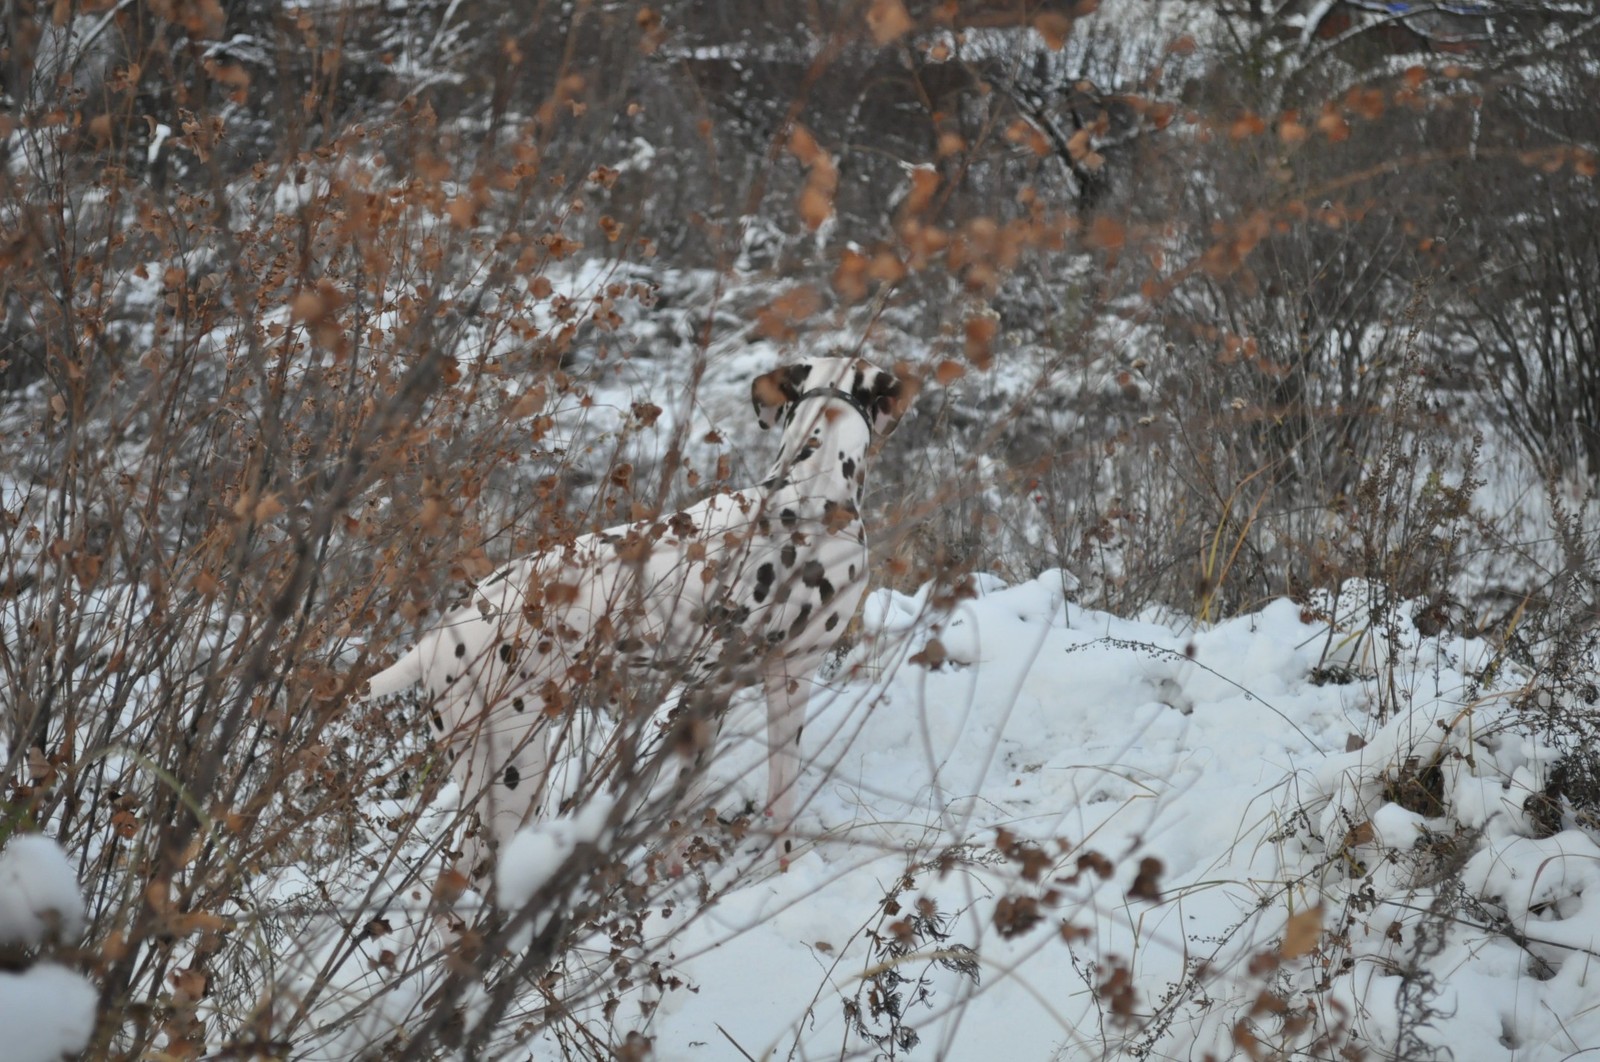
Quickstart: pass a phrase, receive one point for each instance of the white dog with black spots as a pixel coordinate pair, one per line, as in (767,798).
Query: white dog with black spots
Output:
(749,585)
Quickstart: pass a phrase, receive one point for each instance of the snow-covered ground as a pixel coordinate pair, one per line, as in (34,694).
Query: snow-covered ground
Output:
(1046,832)
(1378,876)
(1050,832)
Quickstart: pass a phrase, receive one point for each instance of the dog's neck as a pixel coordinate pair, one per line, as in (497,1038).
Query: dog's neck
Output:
(821,463)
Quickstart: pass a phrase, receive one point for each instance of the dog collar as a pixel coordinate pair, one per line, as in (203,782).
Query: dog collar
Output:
(841,395)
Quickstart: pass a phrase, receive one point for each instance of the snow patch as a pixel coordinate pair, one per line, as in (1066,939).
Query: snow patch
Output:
(537,852)
(39,897)
(47,1013)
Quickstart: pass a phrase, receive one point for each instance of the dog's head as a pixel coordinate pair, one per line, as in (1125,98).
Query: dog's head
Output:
(880,394)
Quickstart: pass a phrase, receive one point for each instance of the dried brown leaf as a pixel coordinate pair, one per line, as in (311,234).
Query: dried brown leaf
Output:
(888,21)
(1054,27)
(1301,933)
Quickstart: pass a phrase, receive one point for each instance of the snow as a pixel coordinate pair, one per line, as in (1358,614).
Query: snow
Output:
(47,1013)
(538,852)
(1174,799)
(1210,750)
(46,1010)
(39,898)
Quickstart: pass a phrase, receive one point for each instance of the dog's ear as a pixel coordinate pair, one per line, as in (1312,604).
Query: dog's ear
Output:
(887,395)
(771,392)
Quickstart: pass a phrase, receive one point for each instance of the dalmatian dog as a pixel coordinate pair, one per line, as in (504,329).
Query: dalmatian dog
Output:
(752,585)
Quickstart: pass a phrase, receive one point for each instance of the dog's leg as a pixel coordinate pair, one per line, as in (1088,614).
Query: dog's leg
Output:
(503,775)
(788,690)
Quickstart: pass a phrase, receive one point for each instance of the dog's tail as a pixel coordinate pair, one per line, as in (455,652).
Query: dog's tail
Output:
(403,673)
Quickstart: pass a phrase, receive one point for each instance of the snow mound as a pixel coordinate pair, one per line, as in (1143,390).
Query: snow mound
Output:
(47,1013)
(537,852)
(39,898)
(1196,818)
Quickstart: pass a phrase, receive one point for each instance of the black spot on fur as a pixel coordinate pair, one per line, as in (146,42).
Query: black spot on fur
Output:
(852,573)
(630,644)
(764,577)
(806,453)
(505,652)
(774,637)
(787,555)
(790,518)
(833,621)
(800,621)
(848,468)
(825,591)
(461,649)
(811,573)
(879,399)
(448,679)
(513,777)
(438,721)
(518,704)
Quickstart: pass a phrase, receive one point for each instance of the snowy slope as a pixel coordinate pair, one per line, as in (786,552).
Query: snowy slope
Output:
(1212,752)
(1048,831)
